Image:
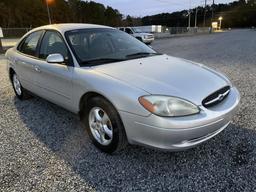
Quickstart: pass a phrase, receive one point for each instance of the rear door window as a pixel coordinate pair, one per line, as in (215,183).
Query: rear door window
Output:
(30,43)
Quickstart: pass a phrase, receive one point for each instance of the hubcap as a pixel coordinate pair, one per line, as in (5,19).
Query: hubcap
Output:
(100,126)
(16,84)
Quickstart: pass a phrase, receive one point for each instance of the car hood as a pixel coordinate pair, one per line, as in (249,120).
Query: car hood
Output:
(166,75)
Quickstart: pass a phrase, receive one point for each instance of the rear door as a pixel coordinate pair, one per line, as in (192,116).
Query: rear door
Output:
(55,79)
(26,59)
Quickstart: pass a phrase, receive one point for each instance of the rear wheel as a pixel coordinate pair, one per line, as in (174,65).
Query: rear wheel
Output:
(104,125)
(20,92)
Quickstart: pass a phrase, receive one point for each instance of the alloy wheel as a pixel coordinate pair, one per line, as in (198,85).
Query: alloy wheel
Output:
(100,126)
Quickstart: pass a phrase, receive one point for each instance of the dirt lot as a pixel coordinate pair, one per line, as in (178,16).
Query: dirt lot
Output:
(44,148)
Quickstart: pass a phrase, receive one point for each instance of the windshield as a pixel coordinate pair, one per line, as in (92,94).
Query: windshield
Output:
(99,46)
(136,30)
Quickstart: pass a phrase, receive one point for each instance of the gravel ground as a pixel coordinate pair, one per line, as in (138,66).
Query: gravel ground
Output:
(44,148)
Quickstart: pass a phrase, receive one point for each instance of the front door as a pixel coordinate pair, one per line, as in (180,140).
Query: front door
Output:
(54,79)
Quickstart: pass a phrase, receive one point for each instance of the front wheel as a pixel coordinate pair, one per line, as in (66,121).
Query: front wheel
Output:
(104,125)
(140,39)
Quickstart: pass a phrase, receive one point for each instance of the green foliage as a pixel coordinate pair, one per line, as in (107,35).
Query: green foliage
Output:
(22,13)
(131,21)
(33,13)
(236,14)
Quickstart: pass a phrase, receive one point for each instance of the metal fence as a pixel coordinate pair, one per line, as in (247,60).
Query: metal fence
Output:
(191,30)
(176,31)
(19,32)
(12,35)
(14,32)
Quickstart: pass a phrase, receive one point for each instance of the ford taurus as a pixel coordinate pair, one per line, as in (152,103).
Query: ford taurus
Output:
(123,90)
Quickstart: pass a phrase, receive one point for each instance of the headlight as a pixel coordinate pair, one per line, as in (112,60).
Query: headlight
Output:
(145,36)
(168,106)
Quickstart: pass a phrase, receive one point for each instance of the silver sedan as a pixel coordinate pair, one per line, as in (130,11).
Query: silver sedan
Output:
(124,91)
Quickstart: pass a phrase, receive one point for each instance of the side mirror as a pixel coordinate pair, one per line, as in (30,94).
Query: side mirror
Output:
(55,58)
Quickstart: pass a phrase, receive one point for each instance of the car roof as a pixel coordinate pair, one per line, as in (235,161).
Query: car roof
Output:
(63,27)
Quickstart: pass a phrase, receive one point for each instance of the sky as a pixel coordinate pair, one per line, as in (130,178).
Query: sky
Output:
(150,7)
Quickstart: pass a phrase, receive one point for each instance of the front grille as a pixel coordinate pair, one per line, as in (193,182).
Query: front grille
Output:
(150,36)
(216,97)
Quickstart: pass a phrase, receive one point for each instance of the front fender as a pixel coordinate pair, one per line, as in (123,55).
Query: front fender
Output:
(123,96)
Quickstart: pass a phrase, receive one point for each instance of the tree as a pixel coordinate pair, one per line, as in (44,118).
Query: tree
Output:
(26,13)
(112,17)
(32,13)
(236,14)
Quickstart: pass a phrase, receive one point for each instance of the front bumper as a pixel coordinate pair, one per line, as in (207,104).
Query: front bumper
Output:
(180,133)
(147,41)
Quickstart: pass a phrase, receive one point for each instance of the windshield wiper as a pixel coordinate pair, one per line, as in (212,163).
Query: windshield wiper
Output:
(142,54)
(100,61)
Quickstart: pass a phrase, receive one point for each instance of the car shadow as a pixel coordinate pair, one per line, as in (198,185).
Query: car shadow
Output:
(226,162)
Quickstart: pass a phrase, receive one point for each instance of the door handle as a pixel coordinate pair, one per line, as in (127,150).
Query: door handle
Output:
(37,68)
(23,62)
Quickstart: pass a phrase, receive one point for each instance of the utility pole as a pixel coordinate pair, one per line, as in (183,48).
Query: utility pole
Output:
(189,18)
(213,4)
(48,11)
(220,19)
(204,11)
(189,15)
(1,47)
(1,36)
(196,18)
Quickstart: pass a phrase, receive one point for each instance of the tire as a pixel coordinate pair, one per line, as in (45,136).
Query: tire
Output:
(19,91)
(140,39)
(110,124)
